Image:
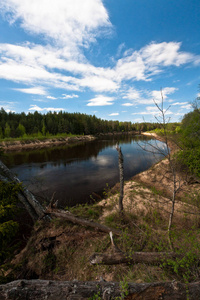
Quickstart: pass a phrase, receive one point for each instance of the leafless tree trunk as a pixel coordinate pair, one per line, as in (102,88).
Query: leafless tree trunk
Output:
(163,121)
(176,187)
(33,207)
(121,176)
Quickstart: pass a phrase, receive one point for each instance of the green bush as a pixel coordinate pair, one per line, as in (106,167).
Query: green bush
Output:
(190,129)
(8,226)
(190,160)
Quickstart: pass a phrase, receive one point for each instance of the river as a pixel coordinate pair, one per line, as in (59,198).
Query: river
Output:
(78,173)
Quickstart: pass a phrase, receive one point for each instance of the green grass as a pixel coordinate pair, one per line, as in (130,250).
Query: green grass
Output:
(88,211)
(39,137)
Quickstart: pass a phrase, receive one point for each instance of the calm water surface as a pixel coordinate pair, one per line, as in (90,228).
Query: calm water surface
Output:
(74,172)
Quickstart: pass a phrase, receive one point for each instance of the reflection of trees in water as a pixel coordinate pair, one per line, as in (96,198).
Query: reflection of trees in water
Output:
(90,166)
(67,154)
(64,154)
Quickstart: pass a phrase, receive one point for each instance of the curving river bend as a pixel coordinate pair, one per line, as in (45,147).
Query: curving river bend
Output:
(74,172)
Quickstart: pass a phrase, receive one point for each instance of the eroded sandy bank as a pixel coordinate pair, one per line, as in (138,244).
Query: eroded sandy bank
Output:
(34,144)
(152,190)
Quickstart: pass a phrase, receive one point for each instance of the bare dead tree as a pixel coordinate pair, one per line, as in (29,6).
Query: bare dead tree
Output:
(176,186)
(166,153)
(121,177)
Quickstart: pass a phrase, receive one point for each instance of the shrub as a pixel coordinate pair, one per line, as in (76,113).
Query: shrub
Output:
(8,226)
(190,160)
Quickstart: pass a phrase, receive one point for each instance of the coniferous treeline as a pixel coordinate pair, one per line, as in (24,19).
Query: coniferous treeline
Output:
(16,125)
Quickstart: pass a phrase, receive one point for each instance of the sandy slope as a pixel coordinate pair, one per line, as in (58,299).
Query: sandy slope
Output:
(151,191)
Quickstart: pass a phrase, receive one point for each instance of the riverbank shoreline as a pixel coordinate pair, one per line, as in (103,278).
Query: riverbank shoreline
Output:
(171,143)
(158,177)
(48,142)
(31,144)
(61,250)
(18,145)
(153,189)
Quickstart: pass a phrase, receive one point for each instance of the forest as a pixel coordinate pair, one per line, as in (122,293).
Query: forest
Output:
(16,125)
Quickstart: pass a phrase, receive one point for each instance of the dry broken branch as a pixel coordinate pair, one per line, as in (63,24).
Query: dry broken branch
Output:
(135,258)
(76,220)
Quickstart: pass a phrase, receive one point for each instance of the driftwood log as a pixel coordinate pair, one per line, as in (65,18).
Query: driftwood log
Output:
(135,258)
(71,290)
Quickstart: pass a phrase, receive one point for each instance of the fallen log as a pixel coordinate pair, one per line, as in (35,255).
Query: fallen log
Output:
(135,258)
(71,290)
(76,220)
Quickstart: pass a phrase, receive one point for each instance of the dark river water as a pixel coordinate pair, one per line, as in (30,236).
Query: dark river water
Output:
(74,172)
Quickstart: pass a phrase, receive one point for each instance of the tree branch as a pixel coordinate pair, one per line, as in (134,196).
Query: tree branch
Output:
(135,258)
(76,220)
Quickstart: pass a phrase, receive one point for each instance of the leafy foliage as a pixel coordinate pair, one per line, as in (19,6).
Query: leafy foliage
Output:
(190,160)
(189,157)
(190,129)
(8,226)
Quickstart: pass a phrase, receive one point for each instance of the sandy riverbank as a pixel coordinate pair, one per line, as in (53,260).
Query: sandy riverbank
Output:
(153,188)
(171,143)
(35,144)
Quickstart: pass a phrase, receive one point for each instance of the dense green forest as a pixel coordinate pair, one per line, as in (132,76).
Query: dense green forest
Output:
(15,125)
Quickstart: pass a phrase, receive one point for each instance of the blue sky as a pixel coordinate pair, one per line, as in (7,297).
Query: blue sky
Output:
(106,58)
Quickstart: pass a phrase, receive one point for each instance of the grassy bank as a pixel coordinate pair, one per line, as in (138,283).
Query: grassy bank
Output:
(38,137)
(61,250)
(31,142)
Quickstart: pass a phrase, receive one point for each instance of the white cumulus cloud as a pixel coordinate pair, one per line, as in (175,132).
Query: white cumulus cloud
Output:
(51,97)
(34,90)
(47,66)
(68,22)
(65,96)
(114,114)
(101,101)
(179,103)
(34,107)
(127,104)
